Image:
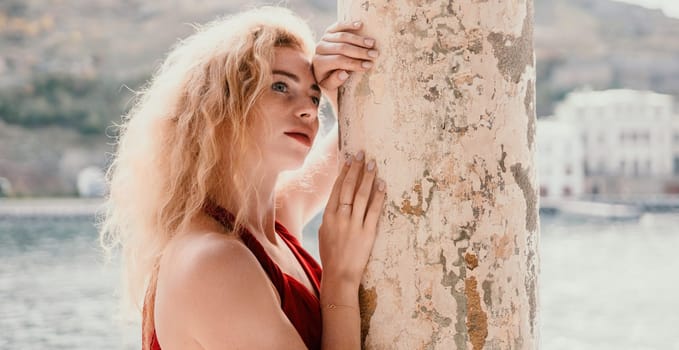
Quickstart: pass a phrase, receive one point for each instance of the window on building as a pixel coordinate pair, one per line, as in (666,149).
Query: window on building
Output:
(648,166)
(569,169)
(595,189)
(544,192)
(566,191)
(622,167)
(676,165)
(635,168)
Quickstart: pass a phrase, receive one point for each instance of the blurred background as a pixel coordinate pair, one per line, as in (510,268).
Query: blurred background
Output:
(608,163)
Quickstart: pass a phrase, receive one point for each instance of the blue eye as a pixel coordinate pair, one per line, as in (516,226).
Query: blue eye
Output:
(316,100)
(279,86)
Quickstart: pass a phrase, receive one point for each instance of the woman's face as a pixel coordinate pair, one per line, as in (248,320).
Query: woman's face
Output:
(290,108)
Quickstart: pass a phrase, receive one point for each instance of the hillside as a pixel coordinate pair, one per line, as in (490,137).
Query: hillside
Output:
(111,38)
(600,43)
(63,63)
(603,44)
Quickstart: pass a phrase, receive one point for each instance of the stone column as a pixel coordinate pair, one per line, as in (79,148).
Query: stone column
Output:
(448,112)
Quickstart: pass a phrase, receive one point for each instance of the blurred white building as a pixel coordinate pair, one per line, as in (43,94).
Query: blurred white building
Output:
(91,182)
(675,145)
(626,136)
(673,186)
(559,159)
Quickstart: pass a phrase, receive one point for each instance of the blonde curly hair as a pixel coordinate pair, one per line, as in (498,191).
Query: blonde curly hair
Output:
(185,138)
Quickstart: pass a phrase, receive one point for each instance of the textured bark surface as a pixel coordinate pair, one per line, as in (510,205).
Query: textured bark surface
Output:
(448,112)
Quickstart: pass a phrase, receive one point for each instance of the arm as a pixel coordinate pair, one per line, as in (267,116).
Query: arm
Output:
(341,52)
(303,193)
(346,239)
(341,323)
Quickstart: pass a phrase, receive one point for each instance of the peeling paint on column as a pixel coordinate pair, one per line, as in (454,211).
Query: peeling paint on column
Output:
(449,280)
(502,159)
(408,208)
(419,208)
(487,293)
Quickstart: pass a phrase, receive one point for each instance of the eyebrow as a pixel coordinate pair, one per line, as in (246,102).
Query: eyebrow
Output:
(296,78)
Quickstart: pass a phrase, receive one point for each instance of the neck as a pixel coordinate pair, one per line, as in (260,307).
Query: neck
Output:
(265,200)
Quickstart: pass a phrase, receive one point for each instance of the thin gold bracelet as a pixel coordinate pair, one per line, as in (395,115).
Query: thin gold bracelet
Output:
(334,306)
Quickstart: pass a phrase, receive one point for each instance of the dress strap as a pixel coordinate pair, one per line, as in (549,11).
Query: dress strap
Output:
(226,219)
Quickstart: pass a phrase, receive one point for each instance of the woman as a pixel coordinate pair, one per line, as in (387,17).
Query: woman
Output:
(209,226)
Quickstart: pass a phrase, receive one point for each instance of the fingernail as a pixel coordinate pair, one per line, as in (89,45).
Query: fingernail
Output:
(366,64)
(371,165)
(360,155)
(373,53)
(357,24)
(369,42)
(348,161)
(343,75)
(380,185)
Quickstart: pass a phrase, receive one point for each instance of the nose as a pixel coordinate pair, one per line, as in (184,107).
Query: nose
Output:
(307,109)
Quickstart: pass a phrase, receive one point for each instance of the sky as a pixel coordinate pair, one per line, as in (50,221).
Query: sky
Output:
(670,7)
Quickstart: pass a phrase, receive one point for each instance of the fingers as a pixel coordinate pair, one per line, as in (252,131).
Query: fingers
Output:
(344,26)
(335,79)
(333,201)
(376,204)
(329,63)
(363,194)
(349,38)
(349,184)
(357,185)
(348,50)
(342,49)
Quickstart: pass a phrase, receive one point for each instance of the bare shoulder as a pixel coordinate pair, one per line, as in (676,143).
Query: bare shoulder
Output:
(205,263)
(209,253)
(212,289)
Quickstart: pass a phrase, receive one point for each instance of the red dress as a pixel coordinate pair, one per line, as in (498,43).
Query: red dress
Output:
(300,306)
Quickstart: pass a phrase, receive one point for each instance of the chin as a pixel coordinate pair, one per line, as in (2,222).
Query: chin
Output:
(292,161)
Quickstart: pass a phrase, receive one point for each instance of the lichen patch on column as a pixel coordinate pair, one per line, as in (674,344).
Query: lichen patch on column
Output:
(367,303)
(471,260)
(477,320)
(514,54)
(529,104)
(529,195)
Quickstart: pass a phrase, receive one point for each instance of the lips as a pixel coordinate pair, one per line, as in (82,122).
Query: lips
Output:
(301,137)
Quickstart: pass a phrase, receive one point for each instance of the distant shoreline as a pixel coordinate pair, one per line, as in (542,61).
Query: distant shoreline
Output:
(49,207)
